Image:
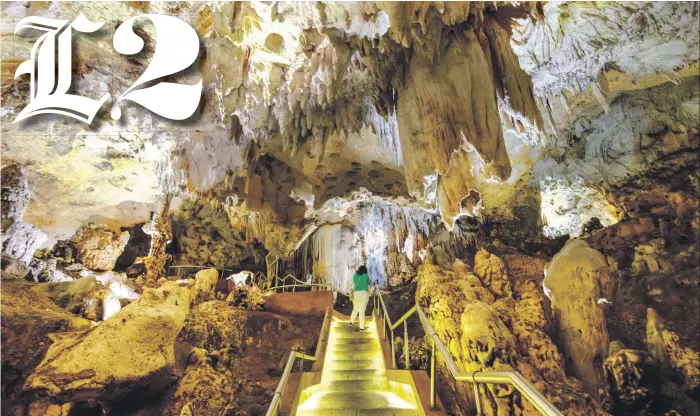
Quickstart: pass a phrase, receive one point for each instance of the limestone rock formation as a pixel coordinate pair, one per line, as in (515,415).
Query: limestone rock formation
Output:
(575,280)
(405,136)
(160,230)
(492,271)
(79,296)
(49,272)
(28,320)
(486,333)
(19,239)
(646,257)
(98,248)
(203,389)
(13,268)
(400,269)
(15,194)
(633,380)
(205,234)
(215,325)
(663,345)
(106,363)
(248,297)
(204,285)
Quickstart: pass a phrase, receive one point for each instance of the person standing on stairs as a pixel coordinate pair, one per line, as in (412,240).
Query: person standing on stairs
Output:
(360,298)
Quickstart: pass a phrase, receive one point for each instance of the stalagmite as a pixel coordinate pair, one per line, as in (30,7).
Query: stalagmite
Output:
(576,279)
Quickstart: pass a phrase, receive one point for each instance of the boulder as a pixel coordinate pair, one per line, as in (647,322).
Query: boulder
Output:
(75,296)
(36,266)
(28,318)
(204,285)
(20,240)
(247,297)
(51,274)
(576,278)
(98,247)
(116,358)
(13,268)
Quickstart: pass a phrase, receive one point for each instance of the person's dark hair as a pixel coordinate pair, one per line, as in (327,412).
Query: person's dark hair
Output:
(362,270)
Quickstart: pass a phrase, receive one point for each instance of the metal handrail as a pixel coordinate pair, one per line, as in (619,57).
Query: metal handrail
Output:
(293,355)
(513,378)
(297,283)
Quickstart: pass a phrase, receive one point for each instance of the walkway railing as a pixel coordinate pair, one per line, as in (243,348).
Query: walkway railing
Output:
(475,377)
(293,355)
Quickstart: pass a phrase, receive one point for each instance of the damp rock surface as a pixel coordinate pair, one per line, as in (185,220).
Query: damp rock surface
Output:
(74,370)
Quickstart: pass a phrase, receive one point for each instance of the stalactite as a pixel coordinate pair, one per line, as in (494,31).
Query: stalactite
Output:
(336,256)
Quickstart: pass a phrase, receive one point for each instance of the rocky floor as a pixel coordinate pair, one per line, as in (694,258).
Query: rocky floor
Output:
(157,356)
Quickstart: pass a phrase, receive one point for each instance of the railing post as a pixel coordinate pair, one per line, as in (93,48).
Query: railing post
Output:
(432,375)
(386,324)
(477,399)
(393,353)
(405,344)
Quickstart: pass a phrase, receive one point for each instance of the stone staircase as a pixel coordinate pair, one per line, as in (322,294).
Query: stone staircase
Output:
(354,378)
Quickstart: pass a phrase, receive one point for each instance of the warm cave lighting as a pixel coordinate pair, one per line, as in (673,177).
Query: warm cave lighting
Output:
(508,190)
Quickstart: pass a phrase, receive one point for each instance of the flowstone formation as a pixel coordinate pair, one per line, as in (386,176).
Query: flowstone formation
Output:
(495,330)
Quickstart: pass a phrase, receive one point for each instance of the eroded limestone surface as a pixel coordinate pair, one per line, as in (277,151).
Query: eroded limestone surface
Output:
(484,332)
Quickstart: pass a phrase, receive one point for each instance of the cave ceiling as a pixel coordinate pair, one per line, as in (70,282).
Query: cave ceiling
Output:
(310,107)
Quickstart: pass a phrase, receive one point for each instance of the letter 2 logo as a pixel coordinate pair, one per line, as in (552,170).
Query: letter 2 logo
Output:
(177,48)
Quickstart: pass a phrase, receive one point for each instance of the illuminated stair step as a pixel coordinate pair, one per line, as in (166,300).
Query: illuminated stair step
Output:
(353,355)
(366,364)
(370,346)
(354,341)
(352,375)
(343,328)
(354,335)
(358,412)
(355,401)
(354,385)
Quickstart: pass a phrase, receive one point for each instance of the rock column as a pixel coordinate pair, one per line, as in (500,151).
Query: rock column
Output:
(576,279)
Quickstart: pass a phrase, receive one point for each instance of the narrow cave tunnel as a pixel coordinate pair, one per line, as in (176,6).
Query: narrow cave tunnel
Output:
(374,208)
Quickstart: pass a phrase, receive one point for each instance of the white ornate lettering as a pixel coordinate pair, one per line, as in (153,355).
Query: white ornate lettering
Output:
(48,93)
(177,48)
